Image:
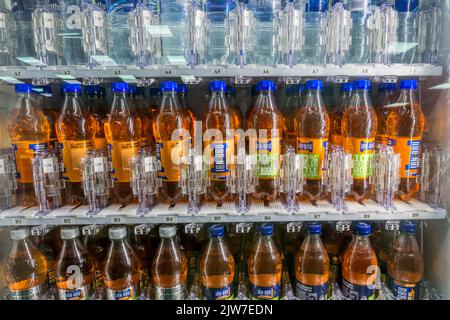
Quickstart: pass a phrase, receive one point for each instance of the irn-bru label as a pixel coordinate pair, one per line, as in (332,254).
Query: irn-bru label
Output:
(74,294)
(28,294)
(125,294)
(265,293)
(100,143)
(267,158)
(307,292)
(381,139)
(170,293)
(402,290)
(409,150)
(336,139)
(314,152)
(120,153)
(24,154)
(358,292)
(362,151)
(164,151)
(225,293)
(72,152)
(221,153)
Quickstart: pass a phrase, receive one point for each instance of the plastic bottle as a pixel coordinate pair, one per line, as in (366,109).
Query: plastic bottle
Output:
(70,14)
(155,101)
(189,114)
(217,266)
(217,13)
(338,112)
(407,31)
(265,266)
(388,238)
(121,267)
(359,127)
(96,106)
(145,248)
(359,266)
(23,29)
(46,244)
(29,130)
(25,268)
(97,251)
(333,248)
(360,34)
(314,32)
(74,268)
(312,267)
(387,94)
(170,119)
(405,264)
(313,129)
(174,16)
(406,124)
(268,122)
(231,98)
(137,95)
(169,267)
(290,108)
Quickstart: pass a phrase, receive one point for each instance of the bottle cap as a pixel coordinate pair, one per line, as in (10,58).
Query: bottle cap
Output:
(216,231)
(19,233)
(169,86)
(387,86)
(363,229)
(314,228)
(42,89)
(406,5)
(267,85)
(71,88)
(217,85)
(24,88)
(120,87)
(316,6)
(70,233)
(346,87)
(265,229)
(93,90)
(362,84)
(167,231)
(407,226)
(117,232)
(408,84)
(182,88)
(314,85)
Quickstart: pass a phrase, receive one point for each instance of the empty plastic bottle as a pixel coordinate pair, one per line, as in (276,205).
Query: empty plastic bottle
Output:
(360,45)
(23,30)
(387,95)
(314,31)
(173,18)
(217,12)
(71,33)
(407,31)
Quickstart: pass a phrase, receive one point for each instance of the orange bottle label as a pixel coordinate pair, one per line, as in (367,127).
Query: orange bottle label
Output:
(336,139)
(73,151)
(220,155)
(24,154)
(409,150)
(362,151)
(169,153)
(381,139)
(267,158)
(120,153)
(314,152)
(100,143)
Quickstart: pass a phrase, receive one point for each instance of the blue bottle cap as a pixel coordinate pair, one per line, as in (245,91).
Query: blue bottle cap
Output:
(93,90)
(408,84)
(24,88)
(346,87)
(182,88)
(155,91)
(71,87)
(120,87)
(387,86)
(361,84)
(314,85)
(267,85)
(363,229)
(168,86)
(314,228)
(316,6)
(217,85)
(265,229)
(216,231)
(407,226)
(406,5)
(42,89)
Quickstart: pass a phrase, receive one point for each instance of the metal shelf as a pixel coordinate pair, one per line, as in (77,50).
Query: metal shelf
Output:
(275,212)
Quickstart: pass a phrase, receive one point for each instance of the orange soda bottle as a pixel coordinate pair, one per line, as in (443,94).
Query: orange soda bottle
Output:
(74,268)
(155,101)
(265,266)
(338,112)
(268,122)
(29,130)
(76,131)
(121,267)
(312,267)
(289,110)
(137,95)
(96,107)
(169,267)
(388,238)
(387,94)
(406,125)
(359,126)
(145,248)
(123,131)
(219,120)
(312,126)
(217,266)
(231,98)
(25,268)
(45,243)
(97,251)
(189,114)
(359,266)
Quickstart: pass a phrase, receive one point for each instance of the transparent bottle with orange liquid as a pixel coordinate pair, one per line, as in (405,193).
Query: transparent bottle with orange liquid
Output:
(268,122)
(231,98)
(97,251)
(312,125)
(312,267)
(182,92)
(359,128)
(76,131)
(25,268)
(46,244)
(121,267)
(155,101)
(123,130)
(290,108)
(96,107)
(219,119)
(217,266)
(406,125)
(332,244)
(137,95)
(169,268)
(338,112)
(405,264)
(359,266)
(265,265)
(74,268)
(170,119)
(387,95)
(388,237)
(29,130)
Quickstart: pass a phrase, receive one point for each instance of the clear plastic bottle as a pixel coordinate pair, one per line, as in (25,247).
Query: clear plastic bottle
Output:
(155,100)
(169,268)
(23,29)
(48,246)
(338,112)
(174,16)
(96,106)
(6,31)
(137,95)
(97,251)
(405,264)
(217,266)
(387,95)
(312,267)
(70,15)
(145,248)
(25,268)
(314,31)
(388,238)
(290,108)
(407,31)
(74,268)
(360,34)
(189,114)
(217,13)
(265,266)
(231,98)
(121,267)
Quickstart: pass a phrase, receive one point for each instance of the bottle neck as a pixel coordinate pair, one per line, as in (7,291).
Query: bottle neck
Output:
(71,245)
(266,100)
(314,100)
(24,102)
(218,101)
(72,103)
(120,102)
(170,244)
(170,102)
(360,98)
(407,98)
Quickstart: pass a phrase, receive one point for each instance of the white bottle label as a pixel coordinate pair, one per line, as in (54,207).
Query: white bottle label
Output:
(125,294)
(47,163)
(74,294)
(170,293)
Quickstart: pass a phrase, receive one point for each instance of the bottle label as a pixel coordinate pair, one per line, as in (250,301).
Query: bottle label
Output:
(306,292)
(267,158)
(126,294)
(409,150)
(314,152)
(362,151)
(265,293)
(381,139)
(120,154)
(402,290)
(100,143)
(29,294)
(72,152)
(358,292)
(24,154)
(225,293)
(170,293)
(74,294)
(221,153)
(164,151)
(336,139)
